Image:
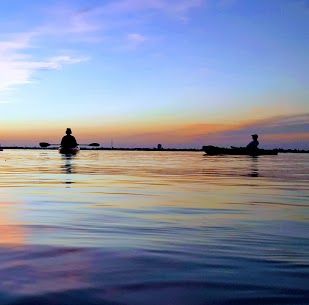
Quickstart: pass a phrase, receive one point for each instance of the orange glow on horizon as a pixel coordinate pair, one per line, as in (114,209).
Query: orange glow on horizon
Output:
(137,131)
(143,133)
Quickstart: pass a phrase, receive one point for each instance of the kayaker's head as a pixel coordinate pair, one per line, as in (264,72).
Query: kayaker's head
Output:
(254,136)
(68,131)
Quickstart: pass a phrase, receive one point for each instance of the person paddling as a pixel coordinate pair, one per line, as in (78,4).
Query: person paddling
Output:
(253,144)
(68,141)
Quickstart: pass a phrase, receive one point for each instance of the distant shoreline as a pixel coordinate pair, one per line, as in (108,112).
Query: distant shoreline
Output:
(106,148)
(280,150)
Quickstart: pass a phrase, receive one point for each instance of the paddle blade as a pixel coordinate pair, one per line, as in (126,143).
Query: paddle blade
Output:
(44,144)
(94,144)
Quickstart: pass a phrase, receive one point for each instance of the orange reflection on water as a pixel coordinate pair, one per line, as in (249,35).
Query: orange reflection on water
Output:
(11,231)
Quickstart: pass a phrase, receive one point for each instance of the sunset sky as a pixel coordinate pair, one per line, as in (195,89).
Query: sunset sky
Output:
(183,73)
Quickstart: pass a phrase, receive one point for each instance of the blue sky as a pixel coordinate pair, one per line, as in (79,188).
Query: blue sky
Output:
(142,72)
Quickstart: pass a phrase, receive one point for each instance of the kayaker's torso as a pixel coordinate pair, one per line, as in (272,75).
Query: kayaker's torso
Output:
(253,144)
(68,141)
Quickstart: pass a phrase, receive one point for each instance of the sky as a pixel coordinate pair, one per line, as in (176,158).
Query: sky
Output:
(182,73)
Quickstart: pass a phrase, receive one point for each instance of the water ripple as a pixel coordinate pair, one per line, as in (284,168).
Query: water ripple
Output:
(117,227)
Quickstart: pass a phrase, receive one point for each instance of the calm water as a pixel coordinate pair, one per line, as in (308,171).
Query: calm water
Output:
(161,228)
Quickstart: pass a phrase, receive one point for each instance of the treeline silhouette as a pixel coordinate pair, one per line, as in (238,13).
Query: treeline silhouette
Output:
(107,148)
(280,150)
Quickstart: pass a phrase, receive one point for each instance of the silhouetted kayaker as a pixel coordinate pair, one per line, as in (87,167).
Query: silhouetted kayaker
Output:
(68,141)
(253,144)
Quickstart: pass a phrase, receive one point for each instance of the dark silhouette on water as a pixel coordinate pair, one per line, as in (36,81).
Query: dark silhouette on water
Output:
(254,143)
(68,141)
(251,149)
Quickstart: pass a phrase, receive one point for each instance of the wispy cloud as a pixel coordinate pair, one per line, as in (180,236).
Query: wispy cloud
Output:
(73,21)
(134,40)
(282,124)
(274,131)
(17,42)
(177,7)
(280,131)
(137,38)
(70,23)
(64,19)
(18,67)
(67,19)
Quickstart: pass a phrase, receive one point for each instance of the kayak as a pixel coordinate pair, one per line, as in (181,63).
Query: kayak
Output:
(68,151)
(213,150)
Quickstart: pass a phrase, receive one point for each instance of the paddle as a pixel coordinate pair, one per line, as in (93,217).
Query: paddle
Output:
(45,144)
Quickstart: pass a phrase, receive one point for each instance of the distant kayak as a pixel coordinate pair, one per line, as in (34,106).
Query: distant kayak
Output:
(68,151)
(214,150)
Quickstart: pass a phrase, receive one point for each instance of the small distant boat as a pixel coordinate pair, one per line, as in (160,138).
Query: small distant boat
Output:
(68,151)
(214,150)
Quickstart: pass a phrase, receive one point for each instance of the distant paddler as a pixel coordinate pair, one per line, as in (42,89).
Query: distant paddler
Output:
(254,143)
(68,143)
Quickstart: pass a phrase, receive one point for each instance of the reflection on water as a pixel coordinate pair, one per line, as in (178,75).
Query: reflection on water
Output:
(11,232)
(254,172)
(68,167)
(116,227)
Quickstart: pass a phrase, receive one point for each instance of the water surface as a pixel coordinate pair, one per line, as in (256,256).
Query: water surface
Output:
(133,227)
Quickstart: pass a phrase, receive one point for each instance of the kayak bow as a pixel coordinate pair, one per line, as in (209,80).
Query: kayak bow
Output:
(68,151)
